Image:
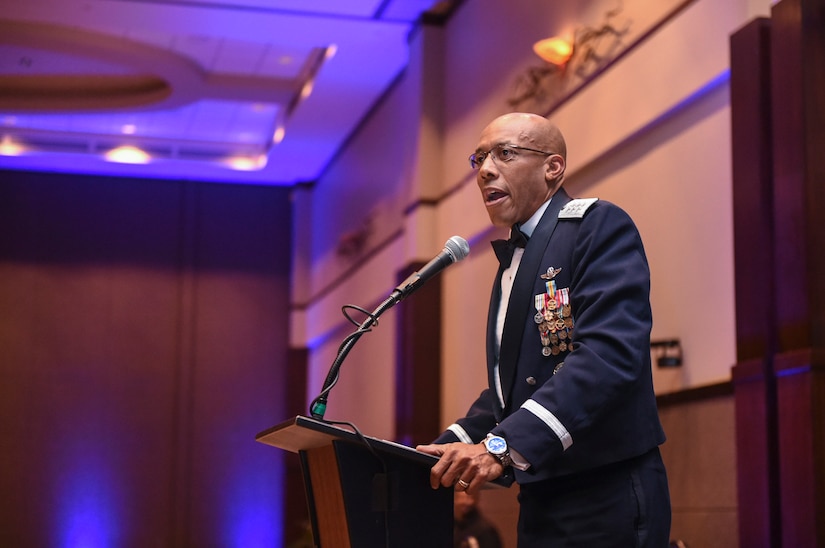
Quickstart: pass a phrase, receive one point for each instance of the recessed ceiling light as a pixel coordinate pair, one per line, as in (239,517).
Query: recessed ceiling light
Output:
(306,91)
(128,155)
(247,163)
(280,131)
(10,147)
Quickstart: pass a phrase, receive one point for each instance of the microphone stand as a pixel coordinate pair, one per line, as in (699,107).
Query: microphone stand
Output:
(319,405)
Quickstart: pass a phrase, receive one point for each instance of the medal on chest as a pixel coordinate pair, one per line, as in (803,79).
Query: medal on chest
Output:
(554,316)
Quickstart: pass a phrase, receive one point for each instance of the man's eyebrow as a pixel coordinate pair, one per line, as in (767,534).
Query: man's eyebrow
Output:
(503,143)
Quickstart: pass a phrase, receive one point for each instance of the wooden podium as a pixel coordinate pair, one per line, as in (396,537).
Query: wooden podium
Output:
(365,492)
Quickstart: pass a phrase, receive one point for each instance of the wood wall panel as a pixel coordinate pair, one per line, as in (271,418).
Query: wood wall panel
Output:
(798,85)
(143,333)
(296,511)
(791,227)
(801,390)
(781,308)
(700,458)
(418,363)
(756,335)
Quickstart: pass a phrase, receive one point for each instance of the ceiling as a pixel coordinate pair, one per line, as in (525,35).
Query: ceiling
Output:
(247,91)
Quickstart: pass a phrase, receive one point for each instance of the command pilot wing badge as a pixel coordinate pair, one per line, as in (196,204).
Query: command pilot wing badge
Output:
(551,273)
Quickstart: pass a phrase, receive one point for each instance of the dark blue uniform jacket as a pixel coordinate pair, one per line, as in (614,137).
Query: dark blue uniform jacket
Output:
(592,405)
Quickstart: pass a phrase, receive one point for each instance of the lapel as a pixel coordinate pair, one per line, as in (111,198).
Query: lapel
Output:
(521,298)
(495,297)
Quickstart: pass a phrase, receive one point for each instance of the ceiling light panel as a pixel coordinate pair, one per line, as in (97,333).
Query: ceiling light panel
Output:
(233,71)
(335,8)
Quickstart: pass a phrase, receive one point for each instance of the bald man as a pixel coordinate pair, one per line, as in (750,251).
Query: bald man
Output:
(569,413)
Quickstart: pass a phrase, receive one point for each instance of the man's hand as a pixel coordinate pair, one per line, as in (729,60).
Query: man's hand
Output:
(466,466)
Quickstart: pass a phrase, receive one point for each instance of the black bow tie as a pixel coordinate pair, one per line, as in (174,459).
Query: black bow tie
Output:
(504,248)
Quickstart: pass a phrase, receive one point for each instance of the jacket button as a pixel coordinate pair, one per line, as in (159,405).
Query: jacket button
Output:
(531,380)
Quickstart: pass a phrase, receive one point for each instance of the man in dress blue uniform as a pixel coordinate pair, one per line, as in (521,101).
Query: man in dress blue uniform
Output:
(570,413)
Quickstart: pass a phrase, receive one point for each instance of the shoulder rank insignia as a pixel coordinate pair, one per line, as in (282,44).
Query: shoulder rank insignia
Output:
(575,209)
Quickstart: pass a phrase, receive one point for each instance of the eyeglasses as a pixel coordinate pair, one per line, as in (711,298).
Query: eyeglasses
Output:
(501,153)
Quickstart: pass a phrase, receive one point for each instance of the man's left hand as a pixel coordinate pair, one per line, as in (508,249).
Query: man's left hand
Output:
(464,466)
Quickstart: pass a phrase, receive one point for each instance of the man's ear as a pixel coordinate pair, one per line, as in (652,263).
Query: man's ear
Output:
(554,167)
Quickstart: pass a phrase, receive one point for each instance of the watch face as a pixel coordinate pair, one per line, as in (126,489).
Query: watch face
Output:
(496,445)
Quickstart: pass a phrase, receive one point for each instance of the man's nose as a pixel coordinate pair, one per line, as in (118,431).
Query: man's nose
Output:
(488,167)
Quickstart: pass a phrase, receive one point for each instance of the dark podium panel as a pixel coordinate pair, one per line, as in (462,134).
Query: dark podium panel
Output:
(364,492)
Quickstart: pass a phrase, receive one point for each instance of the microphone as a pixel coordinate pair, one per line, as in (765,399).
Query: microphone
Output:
(455,249)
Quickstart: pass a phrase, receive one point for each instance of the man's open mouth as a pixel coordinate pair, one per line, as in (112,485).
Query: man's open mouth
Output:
(494,195)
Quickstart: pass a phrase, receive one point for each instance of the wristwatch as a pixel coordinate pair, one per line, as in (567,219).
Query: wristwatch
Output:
(497,447)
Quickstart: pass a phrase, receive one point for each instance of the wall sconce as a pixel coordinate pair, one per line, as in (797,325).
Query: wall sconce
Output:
(569,63)
(668,352)
(353,243)
(556,51)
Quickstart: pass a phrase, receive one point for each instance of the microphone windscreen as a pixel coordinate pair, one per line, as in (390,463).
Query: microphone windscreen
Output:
(458,248)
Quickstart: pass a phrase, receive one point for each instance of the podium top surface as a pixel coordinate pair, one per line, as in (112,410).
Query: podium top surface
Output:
(303,433)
